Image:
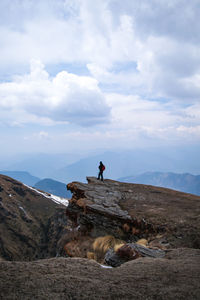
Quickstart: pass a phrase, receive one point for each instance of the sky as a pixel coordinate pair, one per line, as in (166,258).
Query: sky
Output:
(80,75)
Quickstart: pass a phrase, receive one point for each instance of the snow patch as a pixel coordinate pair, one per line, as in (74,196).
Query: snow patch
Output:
(22,209)
(54,198)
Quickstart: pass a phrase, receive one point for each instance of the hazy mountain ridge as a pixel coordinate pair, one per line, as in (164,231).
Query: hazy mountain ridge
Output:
(41,165)
(187,183)
(53,187)
(120,163)
(184,182)
(21,176)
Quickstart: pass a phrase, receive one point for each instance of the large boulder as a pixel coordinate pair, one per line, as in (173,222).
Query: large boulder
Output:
(130,251)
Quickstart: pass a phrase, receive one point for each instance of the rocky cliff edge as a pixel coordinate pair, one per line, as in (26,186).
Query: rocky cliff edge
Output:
(133,211)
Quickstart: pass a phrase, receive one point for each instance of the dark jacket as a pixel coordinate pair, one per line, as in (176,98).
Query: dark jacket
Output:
(101,167)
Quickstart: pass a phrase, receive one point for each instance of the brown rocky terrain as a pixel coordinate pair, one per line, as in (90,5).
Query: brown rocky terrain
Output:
(99,211)
(174,277)
(31,224)
(166,218)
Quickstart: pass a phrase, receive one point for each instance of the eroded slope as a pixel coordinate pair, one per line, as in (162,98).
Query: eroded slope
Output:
(30,223)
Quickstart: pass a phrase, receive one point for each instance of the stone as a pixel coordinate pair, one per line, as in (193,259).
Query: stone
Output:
(130,251)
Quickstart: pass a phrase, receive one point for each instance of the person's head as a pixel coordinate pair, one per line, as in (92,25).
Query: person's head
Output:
(100,162)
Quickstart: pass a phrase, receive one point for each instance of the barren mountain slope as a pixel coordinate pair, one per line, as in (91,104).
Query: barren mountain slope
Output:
(29,224)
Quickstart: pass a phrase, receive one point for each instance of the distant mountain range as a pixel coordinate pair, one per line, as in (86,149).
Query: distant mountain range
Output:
(187,183)
(119,163)
(53,187)
(63,168)
(40,165)
(21,176)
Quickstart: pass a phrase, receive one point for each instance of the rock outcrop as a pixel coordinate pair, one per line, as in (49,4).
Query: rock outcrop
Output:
(166,218)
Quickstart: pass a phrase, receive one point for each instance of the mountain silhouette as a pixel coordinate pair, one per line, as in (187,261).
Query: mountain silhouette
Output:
(187,183)
(53,187)
(21,176)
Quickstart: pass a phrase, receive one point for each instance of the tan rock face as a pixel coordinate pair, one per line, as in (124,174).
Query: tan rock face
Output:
(133,211)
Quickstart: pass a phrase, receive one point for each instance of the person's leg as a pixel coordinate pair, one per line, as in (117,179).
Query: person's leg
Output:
(101,176)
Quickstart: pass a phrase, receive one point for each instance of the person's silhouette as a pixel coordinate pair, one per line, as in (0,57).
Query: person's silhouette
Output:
(101,169)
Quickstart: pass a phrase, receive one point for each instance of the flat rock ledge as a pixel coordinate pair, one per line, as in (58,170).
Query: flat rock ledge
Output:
(133,211)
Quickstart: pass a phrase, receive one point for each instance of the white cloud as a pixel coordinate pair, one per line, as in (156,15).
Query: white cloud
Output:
(133,118)
(43,135)
(143,59)
(66,97)
(37,98)
(161,38)
(193,113)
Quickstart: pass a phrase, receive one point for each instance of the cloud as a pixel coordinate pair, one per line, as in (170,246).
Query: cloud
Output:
(142,58)
(43,135)
(160,38)
(135,118)
(65,98)
(68,99)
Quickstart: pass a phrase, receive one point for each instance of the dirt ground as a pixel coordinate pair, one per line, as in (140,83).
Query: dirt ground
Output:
(174,277)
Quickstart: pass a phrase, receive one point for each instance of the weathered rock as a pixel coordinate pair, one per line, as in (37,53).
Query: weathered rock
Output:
(133,211)
(113,259)
(130,251)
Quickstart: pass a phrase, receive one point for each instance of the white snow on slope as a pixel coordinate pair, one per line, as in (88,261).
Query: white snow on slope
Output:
(23,210)
(54,198)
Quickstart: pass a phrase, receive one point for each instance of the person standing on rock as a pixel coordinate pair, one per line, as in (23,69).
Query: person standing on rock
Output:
(101,169)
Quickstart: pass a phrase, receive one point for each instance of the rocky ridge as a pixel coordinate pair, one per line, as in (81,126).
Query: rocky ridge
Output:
(132,211)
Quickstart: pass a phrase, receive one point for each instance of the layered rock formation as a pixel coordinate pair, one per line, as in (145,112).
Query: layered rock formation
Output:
(166,218)
(31,225)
